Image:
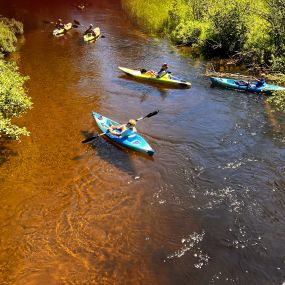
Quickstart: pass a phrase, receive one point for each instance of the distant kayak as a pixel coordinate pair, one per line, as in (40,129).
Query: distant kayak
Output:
(241,85)
(90,37)
(133,141)
(166,79)
(58,32)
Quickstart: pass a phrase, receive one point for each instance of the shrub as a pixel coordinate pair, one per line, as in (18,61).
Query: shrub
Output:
(226,34)
(13,100)
(7,39)
(15,26)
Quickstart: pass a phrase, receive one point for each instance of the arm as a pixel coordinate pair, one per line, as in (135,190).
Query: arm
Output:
(112,129)
(161,74)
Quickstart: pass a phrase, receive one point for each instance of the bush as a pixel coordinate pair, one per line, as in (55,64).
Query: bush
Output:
(7,39)
(190,33)
(227,33)
(15,26)
(13,100)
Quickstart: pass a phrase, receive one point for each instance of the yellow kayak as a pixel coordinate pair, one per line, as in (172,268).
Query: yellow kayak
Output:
(58,32)
(90,37)
(166,79)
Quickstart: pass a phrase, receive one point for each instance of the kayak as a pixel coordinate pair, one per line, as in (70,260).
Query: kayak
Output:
(58,32)
(241,85)
(90,37)
(166,79)
(133,141)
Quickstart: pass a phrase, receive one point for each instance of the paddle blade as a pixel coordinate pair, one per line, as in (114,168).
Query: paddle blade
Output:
(89,139)
(75,26)
(47,22)
(103,37)
(152,114)
(76,22)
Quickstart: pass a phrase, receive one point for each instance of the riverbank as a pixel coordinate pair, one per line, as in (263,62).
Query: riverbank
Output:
(243,32)
(251,32)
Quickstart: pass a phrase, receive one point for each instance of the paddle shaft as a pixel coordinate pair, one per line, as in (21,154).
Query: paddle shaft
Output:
(99,135)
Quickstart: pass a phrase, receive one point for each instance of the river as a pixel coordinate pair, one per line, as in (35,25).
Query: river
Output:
(209,208)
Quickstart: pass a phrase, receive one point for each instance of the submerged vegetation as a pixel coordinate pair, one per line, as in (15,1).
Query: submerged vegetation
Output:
(13,99)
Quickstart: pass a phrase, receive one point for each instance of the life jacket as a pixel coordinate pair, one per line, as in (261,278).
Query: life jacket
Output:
(127,132)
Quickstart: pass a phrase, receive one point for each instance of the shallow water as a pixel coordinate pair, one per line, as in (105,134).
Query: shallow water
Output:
(207,209)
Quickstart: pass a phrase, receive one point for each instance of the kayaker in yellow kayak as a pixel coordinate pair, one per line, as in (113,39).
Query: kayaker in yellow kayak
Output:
(59,25)
(163,71)
(124,129)
(90,31)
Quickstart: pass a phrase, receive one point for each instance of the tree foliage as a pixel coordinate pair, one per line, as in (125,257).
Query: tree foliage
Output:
(252,29)
(9,28)
(13,99)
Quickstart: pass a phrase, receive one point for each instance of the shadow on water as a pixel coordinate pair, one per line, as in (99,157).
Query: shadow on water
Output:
(153,84)
(113,153)
(5,152)
(148,88)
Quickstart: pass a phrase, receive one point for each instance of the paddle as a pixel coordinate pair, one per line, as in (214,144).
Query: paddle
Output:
(78,23)
(47,22)
(99,135)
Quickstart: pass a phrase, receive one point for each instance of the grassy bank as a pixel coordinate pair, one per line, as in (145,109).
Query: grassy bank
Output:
(13,99)
(252,32)
(248,32)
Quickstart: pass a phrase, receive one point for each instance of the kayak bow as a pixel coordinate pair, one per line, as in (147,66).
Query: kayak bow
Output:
(166,79)
(133,141)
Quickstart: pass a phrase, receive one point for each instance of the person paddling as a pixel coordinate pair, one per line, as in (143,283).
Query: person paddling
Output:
(260,81)
(80,7)
(124,129)
(163,71)
(59,25)
(90,31)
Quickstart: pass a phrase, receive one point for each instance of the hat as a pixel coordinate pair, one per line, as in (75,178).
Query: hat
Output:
(91,25)
(132,122)
(165,64)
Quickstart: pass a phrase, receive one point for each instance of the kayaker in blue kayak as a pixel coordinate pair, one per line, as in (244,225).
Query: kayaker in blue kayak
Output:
(261,81)
(90,30)
(123,130)
(59,25)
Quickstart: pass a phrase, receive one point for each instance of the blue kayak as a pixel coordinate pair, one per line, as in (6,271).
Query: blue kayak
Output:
(133,141)
(245,86)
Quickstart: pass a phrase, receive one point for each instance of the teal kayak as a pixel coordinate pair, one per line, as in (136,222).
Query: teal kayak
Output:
(133,141)
(245,86)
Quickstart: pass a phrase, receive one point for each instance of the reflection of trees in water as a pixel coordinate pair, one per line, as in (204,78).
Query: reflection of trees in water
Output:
(5,152)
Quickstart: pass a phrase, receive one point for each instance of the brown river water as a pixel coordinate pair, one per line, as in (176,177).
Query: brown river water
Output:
(209,208)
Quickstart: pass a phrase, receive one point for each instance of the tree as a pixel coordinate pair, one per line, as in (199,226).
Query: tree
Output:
(13,99)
